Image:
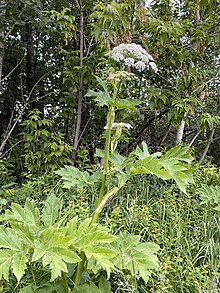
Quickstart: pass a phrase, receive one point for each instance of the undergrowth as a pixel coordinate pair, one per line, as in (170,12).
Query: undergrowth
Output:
(186,230)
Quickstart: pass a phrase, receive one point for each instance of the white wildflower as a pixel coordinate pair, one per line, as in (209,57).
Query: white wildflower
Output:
(133,55)
(122,124)
(140,65)
(153,66)
(118,57)
(129,61)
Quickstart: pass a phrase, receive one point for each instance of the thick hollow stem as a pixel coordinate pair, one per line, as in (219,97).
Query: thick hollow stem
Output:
(101,201)
(80,269)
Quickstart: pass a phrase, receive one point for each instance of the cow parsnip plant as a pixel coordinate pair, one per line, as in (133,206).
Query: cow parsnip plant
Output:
(34,237)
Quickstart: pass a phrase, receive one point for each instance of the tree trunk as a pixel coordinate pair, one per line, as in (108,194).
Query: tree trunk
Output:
(180,131)
(80,93)
(2,17)
(29,61)
(210,140)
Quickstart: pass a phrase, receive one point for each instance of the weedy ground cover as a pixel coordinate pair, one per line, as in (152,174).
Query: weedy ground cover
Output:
(187,232)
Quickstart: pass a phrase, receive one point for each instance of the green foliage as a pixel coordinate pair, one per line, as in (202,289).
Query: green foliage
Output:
(44,150)
(136,257)
(74,177)
(29,239)
(34,237)
(110,18)
(210,195)
(65,22)
(172,165)
(186,231)
(103,287)
(6,173)
(208,121)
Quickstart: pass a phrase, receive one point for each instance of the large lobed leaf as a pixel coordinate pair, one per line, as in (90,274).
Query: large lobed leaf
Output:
(174,164)
(29,235)
(13,253)
(74,177)
(139,258)
(92,239)
(210,195)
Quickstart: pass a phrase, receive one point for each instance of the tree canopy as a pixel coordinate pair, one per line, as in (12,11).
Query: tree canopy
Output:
(52,51)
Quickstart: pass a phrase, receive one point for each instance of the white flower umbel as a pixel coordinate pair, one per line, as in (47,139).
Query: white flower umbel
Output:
(120,124)
(140,65)
(133,55)
(129,61)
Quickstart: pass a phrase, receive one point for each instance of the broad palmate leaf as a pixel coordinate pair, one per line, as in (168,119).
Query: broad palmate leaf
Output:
(13,253)
(51,210)
(174,164)
(74,177)
(92,239)
(53,247)
(139,258)
(210,195)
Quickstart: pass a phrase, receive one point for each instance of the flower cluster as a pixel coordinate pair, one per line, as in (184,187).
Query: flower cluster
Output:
(121,76)
(120,124)
(133,55)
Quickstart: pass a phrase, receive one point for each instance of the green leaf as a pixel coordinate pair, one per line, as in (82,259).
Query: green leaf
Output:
(210,195)
(92,234)
(173,161)
(19,266)
(56,265)
(144,152)
(174,164)
(177,153)
(51,210)
(29,289)
(117,160)
(102,97)
(121,104)
(100,258)
(53,246)
(9,239)
(103,287)
(12,256)
(74,177)
(139,258)
(28,214)
(6,256)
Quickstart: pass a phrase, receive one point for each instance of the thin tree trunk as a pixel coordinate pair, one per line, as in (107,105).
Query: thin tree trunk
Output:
(165,135)
(2,16)
(80,95)
(210,140)
(29,61)
(194,138)
(180,130)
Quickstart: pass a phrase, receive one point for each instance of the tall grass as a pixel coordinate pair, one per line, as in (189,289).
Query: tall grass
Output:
(187,232)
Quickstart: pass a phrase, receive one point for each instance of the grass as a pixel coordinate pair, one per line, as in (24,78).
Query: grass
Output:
(187,232)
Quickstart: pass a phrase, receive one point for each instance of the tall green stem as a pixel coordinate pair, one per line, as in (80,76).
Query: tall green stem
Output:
(110,121)
(80,269)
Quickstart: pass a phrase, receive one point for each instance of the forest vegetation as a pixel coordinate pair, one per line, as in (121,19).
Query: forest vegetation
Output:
(109,146)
